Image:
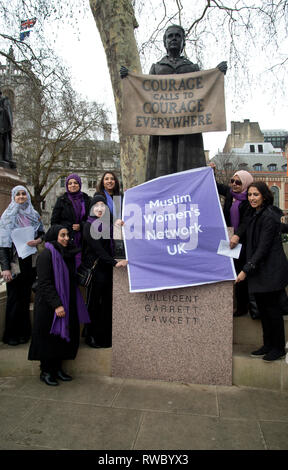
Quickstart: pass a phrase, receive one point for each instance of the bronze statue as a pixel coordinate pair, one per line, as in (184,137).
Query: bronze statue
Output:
(6,123)
(175,153)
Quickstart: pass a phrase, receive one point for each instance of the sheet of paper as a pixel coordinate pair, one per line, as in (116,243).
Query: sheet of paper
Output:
(225,250)
(20,237)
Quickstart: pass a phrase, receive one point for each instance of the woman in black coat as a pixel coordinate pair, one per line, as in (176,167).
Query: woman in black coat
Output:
(71,210)
(237,212)
(98,245)
(18,272)
(266,269)
(58,307)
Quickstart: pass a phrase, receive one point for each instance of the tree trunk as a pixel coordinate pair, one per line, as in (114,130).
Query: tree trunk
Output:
(116,22)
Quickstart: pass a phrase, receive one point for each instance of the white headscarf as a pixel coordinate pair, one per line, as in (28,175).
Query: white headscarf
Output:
(16,216)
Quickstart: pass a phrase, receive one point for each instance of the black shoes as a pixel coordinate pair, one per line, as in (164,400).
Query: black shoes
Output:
(13,342)
(48,379)
(51,379)
(63,376)
(268,354)
(92,343)
(274,355)
(260,352)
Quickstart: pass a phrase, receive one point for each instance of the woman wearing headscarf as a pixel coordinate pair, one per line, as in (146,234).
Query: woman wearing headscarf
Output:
(109,187)
(266,269)
(17,272)
(237,213)
(59,307)
(98,245)
(71,210)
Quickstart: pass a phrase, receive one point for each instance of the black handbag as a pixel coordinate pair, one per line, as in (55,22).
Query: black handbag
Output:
(84,274)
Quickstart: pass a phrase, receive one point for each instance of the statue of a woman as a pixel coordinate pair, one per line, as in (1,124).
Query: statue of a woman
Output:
(174,153)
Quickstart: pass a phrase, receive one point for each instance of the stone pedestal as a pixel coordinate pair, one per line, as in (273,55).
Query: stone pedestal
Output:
(8,179)
(182,335)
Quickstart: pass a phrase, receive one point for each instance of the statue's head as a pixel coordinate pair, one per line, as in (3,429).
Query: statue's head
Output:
(174,36)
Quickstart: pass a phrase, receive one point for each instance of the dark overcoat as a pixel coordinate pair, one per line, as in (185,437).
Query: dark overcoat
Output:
(63,213)
(43,344)
(267,265)
(100,249)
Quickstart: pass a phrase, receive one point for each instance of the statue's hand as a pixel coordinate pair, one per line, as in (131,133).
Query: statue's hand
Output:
(123,71)
(222,67)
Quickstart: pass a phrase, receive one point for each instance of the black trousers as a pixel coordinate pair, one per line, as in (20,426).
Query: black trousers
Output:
(17,319)
(271,314)
(50,366)
(100,312)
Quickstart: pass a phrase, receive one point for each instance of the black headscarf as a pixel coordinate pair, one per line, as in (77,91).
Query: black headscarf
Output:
(51,236)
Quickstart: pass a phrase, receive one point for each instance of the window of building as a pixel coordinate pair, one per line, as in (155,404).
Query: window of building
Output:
(243,166)
(252,148)
(92,184)
(275,191)
(257,167)
(260,148)
(272,167)
(62,182)
(284,167)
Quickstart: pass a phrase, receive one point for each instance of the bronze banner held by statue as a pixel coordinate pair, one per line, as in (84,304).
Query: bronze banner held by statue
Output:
(174,104)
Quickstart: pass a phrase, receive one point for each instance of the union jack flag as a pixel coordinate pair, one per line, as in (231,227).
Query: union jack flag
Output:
(25,24)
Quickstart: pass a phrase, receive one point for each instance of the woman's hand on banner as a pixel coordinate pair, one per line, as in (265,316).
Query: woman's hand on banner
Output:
(222,67)
(241,277)
(122,263)
(123,71)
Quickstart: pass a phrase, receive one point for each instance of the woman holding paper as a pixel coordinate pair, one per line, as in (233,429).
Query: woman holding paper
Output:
(18,267)
(237,213)
(59,307)
(266,270)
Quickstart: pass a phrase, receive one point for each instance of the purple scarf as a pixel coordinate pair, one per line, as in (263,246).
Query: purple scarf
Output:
(234,210)
(60,325)
(78,203)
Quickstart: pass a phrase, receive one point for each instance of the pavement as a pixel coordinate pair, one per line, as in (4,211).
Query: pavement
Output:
(109,413)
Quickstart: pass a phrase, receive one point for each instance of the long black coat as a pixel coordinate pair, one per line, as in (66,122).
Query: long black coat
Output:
(63,212)
(43,344)
(267,265)
(100,249)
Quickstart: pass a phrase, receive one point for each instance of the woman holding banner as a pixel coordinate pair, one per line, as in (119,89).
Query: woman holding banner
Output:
(266,269)
(18,273)
(237,213)
(98,247)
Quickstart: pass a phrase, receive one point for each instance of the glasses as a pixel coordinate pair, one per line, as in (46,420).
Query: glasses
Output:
(238,182)
(21,193)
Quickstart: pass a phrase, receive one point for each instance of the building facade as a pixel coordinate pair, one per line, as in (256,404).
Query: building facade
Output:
(246,148)
(89,157)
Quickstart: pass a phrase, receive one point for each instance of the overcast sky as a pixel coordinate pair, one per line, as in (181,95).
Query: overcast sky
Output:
(81,49)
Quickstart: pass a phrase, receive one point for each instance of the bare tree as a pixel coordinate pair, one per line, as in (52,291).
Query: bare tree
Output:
(238,31)
(47,130)
(226,166)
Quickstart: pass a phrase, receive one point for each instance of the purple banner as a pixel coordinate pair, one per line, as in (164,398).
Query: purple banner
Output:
(173,227)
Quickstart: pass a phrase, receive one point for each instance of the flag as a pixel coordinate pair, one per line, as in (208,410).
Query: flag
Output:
(24,35)
(25,24)
(173,227)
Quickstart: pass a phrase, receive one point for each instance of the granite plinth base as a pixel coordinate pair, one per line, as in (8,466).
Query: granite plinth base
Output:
(181,335)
